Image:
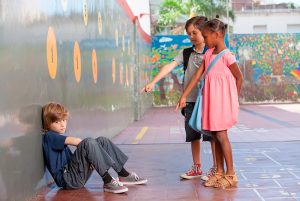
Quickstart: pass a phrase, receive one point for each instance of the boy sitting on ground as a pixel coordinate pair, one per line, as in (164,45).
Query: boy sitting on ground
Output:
(72,170)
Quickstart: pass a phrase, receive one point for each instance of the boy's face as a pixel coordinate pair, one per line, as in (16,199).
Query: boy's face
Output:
(195,35)
(59,126)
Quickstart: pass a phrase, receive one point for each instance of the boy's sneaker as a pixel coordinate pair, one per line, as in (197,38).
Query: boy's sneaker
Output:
(114,186)
(194,172)
(132,179)
(211,172)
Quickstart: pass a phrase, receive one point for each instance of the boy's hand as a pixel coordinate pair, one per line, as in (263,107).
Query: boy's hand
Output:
(72,141)
(147,88)
(181,103)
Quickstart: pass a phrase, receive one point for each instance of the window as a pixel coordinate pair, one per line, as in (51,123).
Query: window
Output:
(259,28)
(293,28)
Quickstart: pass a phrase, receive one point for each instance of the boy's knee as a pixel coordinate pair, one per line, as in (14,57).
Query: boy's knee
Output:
(102,139)
(89,142)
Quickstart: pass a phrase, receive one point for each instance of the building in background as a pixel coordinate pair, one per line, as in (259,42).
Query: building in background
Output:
(238,5)
(252,17)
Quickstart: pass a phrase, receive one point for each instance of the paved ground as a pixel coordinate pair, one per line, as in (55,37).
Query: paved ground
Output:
(265,144)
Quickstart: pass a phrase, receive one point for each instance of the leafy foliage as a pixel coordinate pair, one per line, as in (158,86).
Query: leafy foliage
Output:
(172,11)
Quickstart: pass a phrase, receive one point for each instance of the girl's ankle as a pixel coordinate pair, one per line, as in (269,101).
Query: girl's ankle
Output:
(231,173)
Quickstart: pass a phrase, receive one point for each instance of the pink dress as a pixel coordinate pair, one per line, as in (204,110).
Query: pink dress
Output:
(220,97)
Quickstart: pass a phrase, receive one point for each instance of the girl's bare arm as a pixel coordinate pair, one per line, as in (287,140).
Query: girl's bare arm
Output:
(236,72)
(193,82)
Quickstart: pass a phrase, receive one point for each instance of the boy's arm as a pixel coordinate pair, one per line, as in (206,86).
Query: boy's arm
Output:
(162,73)
(72,141)
(193,81)
(236,72)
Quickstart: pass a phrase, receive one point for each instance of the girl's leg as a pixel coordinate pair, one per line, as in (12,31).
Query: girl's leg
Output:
(213,151)
(225,148)
(229,179)
(219,162)
(219,155)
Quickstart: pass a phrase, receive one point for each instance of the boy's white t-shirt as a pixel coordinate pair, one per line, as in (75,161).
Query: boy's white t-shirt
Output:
(193,64)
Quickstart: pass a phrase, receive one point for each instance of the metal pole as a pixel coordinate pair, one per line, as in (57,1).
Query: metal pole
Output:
(136,95)
(227,13)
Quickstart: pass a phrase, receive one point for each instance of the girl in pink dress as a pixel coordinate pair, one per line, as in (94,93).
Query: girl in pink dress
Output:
(220,100)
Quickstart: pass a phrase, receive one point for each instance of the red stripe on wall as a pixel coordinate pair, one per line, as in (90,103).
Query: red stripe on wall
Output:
(128,11)
(145,36)
(125,6)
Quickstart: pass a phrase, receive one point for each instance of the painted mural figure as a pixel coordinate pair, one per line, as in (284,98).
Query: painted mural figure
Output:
(191,59)
(220,100)
(72,170)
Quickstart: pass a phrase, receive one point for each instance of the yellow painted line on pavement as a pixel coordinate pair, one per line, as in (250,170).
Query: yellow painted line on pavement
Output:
(140,135)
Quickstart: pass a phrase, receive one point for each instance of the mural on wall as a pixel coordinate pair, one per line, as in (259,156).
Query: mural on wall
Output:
(270,64)
(164,49)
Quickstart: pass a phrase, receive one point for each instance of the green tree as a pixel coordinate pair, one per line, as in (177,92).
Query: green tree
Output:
(171,11)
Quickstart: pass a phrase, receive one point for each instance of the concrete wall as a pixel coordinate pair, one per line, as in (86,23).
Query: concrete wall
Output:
(87,55)
(276,21)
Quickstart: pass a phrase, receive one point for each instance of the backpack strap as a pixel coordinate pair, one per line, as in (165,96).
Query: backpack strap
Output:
(186,55)
(212,63)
